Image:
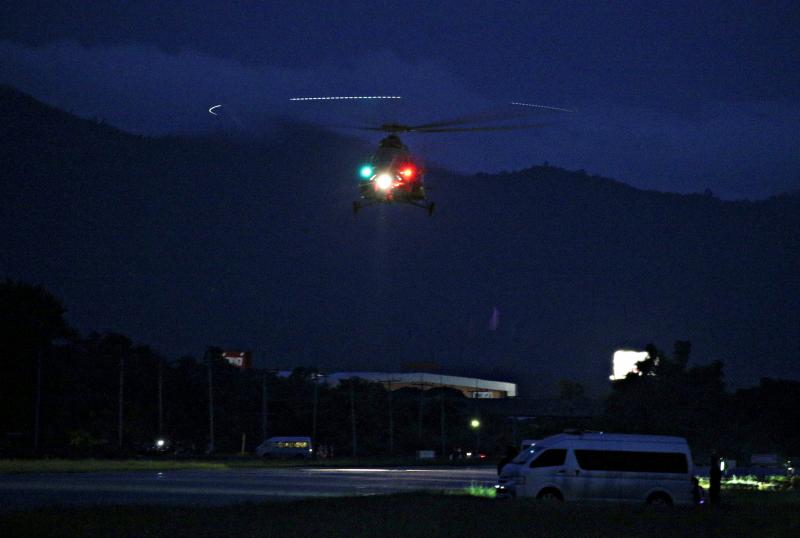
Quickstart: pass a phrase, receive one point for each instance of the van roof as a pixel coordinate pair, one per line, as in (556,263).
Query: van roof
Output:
(618,437)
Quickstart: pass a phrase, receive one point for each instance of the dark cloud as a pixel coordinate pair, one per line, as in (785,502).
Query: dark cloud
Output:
(680,96)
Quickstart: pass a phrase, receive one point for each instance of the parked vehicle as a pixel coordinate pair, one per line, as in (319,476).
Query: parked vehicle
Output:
(603,467)
(285,447)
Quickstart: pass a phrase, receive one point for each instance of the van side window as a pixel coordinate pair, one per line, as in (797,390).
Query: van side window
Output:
(638,462)
(550,458)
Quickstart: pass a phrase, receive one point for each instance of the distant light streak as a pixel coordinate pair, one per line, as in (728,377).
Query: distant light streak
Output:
(211,110)
(494,321)
(350,470)
(542,106)
(341,98)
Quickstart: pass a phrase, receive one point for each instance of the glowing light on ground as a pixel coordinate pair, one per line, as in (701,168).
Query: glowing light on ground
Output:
(211,110)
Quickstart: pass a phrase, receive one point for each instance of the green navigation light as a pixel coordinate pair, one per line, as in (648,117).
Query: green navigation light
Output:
(366,171)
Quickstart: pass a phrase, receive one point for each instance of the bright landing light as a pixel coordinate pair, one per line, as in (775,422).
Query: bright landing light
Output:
(384,181)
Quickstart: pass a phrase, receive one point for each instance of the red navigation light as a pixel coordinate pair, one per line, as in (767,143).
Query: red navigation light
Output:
(408,171)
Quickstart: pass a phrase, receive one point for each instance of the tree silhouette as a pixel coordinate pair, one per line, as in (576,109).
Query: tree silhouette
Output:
(30,319)
(669,398)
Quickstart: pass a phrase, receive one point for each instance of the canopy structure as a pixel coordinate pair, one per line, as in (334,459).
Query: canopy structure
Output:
(470,386)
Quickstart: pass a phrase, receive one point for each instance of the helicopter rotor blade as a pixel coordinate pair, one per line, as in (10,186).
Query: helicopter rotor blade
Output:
(357,127)
(490,116)
(541,107)
(453,124)
(474,118)
(474,129)
(345,97)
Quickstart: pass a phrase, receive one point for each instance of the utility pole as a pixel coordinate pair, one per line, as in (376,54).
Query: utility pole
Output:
(441,424)
(160,397)
(121,396)
(391,420)
(38,408)
(353,419)
(210,363)
(515,421)
(314,408)
(477,424)
(264,409)
(421,391)
(441,416)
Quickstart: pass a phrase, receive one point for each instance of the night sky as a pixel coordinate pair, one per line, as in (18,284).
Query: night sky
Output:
(671,96)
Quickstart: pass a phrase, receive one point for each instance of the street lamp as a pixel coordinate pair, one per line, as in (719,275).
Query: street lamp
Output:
(475,424)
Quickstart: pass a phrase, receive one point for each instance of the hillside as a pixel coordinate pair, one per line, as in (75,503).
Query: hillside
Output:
(184,242)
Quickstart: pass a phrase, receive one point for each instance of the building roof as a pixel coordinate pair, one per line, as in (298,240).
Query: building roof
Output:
(425,378)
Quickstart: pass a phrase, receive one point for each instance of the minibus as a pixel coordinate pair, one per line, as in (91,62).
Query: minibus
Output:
(285,447)
(596,466)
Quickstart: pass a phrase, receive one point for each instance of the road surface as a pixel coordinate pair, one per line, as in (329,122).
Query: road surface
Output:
(202,487)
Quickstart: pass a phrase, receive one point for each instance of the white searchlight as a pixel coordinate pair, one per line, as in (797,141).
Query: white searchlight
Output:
(384,181)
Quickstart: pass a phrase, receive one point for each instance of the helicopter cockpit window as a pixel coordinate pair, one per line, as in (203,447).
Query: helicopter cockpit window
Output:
(392,141)
(385,156)
(391,151)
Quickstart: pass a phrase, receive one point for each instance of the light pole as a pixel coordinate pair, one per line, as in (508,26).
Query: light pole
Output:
(353,419)
(441,424)
(210,363)
(475,424)
(160,397)
(121,398)
(316,377)
(388,385)
(264,409)
(37,419)
(421,402)
(391,420)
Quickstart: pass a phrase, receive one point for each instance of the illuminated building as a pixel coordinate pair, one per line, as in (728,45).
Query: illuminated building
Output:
(240,359)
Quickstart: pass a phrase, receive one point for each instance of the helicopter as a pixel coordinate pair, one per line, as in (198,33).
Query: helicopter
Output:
(394,175)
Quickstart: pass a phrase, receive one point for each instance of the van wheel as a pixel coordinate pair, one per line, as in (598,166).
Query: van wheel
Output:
(550,494)
(659,499)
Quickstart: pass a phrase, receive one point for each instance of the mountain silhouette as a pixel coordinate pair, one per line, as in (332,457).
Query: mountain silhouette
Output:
(250,243)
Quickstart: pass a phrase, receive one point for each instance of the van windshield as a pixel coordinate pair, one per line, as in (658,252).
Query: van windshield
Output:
(527,454)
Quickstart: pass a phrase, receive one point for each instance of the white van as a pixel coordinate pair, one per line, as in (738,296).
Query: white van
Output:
(285,447)
(602,467)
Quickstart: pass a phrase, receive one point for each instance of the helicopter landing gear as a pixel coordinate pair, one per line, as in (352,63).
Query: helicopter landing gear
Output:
(427,206)
(357,205)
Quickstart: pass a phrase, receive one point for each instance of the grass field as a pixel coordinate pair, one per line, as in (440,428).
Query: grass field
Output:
(755,513)
(90,465)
